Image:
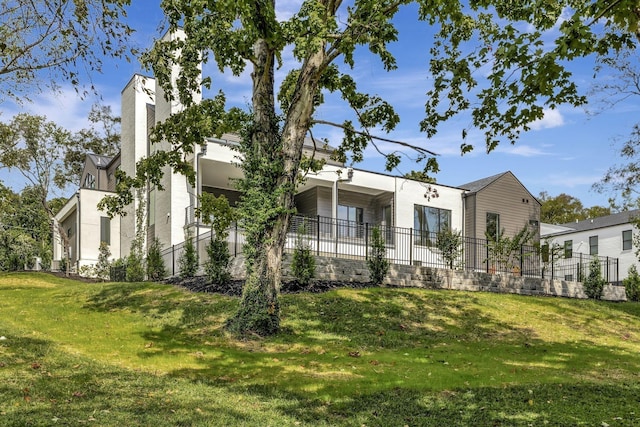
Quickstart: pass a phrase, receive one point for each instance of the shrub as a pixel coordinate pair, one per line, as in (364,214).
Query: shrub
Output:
(632,284)
(216,268)
(135,268)
(188,261)
(88,270)
(103,266)
(217,213)
(594,283)
(449,242)
(377,262)
(155,264)
(303,264)
(118,270)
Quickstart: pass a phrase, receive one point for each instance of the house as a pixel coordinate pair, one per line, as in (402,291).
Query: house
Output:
(342,202)
(608,236)
(81,222)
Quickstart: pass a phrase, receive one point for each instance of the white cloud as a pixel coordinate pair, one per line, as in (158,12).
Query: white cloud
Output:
(66,108)
(521,150)
(552,119)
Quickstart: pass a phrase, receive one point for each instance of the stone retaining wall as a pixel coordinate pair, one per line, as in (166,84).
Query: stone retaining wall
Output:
(348,270)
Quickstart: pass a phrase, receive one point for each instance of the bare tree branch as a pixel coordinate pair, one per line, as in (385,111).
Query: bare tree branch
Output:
(379,138)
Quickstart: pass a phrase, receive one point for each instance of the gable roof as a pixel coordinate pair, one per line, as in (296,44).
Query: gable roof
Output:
(475,186)
(600,222)
(479,185)
(101,162)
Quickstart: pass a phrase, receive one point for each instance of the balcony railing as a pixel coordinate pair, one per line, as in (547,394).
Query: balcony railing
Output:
(347,239)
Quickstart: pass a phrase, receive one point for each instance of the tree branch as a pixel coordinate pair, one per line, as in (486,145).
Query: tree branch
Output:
(379,138)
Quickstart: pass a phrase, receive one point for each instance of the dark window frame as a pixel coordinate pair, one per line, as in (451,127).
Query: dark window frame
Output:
(421,216)
(105,229)
(593,245)
(568,248)
(627,242)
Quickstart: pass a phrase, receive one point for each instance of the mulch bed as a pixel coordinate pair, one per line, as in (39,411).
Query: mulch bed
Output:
(234,287)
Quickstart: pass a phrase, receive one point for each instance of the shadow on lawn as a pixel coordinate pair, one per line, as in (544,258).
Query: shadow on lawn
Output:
(285,379)
(68,390)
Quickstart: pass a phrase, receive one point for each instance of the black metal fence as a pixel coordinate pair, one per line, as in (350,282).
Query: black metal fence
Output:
(348,239)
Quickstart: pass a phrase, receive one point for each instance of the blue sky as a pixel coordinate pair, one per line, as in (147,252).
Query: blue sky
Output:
(567,152)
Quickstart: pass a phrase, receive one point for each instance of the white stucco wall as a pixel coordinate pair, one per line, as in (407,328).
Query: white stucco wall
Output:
(89,228)
(410,193)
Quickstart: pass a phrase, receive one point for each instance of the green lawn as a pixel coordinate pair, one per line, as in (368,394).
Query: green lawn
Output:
(122,354)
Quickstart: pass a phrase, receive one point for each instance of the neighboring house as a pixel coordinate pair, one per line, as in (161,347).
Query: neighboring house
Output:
(84,226)
(343,201)
(607,236)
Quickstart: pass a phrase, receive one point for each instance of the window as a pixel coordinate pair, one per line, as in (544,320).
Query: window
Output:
(105,230)
(593,245)
(568,248)
(89,181)
(627,242)
(493,226)
(350,219)
(428,221)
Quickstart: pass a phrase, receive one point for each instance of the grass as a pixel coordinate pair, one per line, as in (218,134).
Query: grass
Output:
(119,354)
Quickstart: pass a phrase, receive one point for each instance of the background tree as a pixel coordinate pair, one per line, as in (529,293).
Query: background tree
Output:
(624,84)
(44,42)
(489,58)
(35,148)
(102,138)
(564,208)
(24,222)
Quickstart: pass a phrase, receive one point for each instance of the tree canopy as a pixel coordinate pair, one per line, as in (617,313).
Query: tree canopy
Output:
(564,208)
(42,42)
(502,61)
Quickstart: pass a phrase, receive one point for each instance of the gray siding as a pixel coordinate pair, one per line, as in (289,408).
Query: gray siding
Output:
(307,202)
(111,174)
(507,197)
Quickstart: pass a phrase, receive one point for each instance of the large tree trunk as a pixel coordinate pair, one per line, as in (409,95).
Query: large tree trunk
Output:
(259,310)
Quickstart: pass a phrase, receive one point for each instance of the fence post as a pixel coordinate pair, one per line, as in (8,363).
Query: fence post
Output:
(488,261)
(552,264)
(173,260)
(608,281)
(366,240)
(318,235)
